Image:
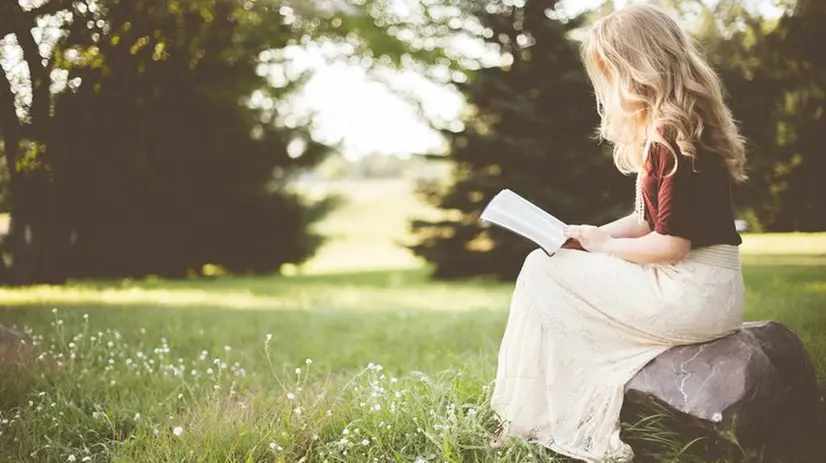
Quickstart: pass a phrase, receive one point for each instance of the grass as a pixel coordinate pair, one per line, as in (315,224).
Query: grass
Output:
(367,365)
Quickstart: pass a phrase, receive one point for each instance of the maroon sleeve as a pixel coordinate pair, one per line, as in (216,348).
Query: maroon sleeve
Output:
(675,216)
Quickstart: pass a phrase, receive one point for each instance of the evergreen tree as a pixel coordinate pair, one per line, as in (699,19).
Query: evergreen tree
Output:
(531,129)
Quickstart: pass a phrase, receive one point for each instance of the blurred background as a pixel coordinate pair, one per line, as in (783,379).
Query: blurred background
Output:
(200,199)
(196,138)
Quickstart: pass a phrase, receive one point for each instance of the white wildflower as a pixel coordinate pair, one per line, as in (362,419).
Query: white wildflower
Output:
(298,371)
(290,396)
(308,361)
(177,430)
(71,458)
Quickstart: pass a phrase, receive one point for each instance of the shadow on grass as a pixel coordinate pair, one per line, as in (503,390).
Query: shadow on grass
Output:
(397,319)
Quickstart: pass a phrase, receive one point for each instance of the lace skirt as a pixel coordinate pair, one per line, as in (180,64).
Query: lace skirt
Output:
(582,324)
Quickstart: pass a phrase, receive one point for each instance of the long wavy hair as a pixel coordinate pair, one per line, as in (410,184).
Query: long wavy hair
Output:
(650,79)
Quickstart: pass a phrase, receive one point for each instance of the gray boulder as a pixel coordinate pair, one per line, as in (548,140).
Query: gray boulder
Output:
(14,346)
(758,383)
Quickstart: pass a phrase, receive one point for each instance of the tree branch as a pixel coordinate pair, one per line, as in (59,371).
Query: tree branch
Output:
(11,12)
(10,129)
(22,24)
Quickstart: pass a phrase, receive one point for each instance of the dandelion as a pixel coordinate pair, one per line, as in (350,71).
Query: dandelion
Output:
(177,430)
(298,371)
(227,348)
(290,396)
(86,316)
(309,361)
(54,310)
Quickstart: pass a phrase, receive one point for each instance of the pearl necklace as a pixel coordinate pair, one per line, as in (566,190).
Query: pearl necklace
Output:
(639,205)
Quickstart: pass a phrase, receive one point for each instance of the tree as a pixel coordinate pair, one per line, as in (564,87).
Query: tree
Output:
(530,128)
(170,147)
(776,80)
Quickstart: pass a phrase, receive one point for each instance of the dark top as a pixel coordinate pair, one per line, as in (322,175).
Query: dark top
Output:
(694,202)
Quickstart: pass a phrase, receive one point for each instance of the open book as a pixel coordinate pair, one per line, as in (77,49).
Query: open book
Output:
(515,213)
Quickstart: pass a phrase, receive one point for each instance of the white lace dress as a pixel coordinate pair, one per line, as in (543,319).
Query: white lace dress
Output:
(582,324)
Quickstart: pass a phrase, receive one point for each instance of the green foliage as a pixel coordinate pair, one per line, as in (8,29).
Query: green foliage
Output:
(530,128)
(171,136)
(776,80)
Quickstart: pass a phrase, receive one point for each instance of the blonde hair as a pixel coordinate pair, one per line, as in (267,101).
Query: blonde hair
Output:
(649,76)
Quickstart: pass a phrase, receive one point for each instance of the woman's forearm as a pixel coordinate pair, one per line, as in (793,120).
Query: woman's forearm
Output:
(652,248)
(626,227)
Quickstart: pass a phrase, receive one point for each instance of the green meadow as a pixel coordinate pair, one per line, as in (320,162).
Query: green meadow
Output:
(355,356)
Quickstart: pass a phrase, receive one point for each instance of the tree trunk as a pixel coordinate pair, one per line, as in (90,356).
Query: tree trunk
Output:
(11,132)
(36,239)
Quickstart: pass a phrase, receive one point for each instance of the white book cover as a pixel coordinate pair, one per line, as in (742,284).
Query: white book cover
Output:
(512,212)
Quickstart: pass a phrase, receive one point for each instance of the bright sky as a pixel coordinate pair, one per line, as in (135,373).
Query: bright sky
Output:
(368,118)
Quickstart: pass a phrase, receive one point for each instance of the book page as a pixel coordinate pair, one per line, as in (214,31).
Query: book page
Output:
(512,212)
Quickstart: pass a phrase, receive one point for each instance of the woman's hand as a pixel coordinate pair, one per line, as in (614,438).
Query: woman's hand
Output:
(591,238)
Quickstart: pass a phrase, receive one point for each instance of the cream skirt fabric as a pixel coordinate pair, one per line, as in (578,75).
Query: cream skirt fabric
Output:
(582,324)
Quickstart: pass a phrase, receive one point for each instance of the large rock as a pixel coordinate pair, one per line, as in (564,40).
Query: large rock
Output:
(14,346)
(758,382)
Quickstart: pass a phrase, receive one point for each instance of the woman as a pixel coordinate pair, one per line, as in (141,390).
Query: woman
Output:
(581,324)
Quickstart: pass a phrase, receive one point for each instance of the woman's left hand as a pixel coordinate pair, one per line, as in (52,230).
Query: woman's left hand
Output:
(591,238)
